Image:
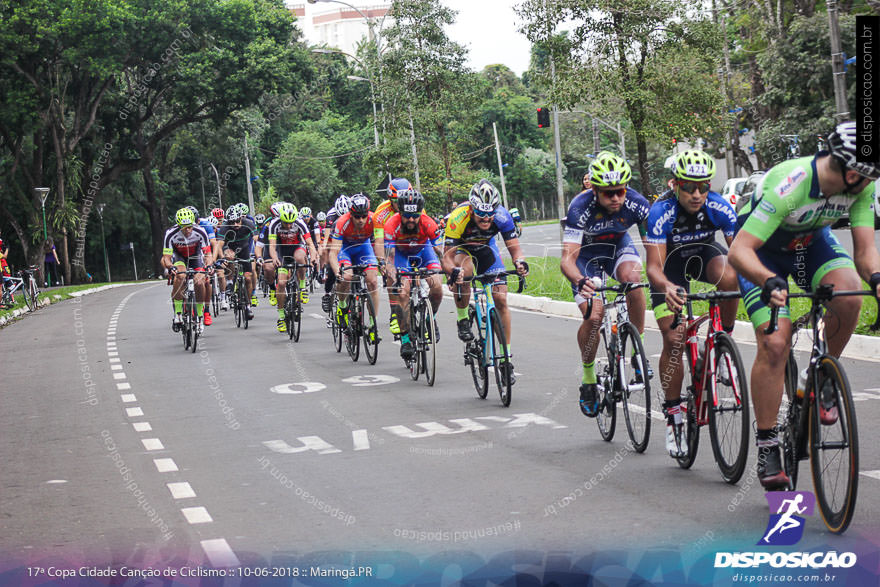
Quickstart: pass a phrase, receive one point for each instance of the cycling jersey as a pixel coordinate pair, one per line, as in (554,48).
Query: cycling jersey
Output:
(461,229)
(263,240)
(209,228)
(346,231)
(788,210)
(293,234)
(413,249)
(4,267)
(185,247)
(383,213)
(238,238)
(588,222)
(672,225)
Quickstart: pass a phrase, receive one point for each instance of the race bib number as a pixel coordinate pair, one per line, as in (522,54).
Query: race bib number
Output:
(411,208)
(697,169)
(611,177)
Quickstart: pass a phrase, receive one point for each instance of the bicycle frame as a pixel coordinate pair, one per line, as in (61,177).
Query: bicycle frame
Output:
(484,302)
(616,313)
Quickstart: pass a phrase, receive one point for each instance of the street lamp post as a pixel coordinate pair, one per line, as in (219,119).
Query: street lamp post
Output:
(100,209)
(368,79)
(43,193)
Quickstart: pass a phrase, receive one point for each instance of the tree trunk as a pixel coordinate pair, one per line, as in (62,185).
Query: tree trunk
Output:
(154,206)
(447,165)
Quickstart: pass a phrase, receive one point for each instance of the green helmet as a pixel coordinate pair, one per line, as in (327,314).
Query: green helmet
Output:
(185,217)
(694,165)
(288,213)
(608,169)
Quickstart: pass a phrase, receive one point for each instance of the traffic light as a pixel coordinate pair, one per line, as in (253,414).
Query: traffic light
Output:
(543,117)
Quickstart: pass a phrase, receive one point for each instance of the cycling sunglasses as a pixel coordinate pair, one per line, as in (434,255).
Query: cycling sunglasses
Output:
(688,187)
(617,193)
(483,213)
(410,214)
(359,216)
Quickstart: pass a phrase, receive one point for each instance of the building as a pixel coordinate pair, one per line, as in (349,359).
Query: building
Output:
(339,26)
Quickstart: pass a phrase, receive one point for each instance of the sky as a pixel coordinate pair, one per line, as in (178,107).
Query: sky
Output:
(488,28)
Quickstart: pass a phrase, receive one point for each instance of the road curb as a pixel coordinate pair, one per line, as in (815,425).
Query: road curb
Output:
(861,347)
(54,298)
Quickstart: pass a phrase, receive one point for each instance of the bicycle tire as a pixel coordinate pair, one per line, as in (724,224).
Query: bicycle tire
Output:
(499,352)
(335,329)
(414,364)
(185,326)
(727,357)
(369,328)
(245,301)
(297,319)
(635,393)
(606,415)
(236,307)
(789,439)
(194,324)
(429,350)
(288,312)
(692,430)
(352,336)
(475,356)
(837,510)
(30,294)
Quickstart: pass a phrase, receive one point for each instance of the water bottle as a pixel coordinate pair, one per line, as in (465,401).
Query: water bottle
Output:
(423,287)
(802,382)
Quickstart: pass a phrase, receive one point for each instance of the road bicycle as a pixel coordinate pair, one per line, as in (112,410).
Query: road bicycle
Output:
(27,283)
(488,348)
(422,325)
(293,304)
(622,371)
(833,449)
(190,319)
(718,393)
(215,293)
(359,317)
(240,301)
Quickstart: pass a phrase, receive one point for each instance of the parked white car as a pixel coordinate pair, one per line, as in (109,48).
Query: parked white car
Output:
(732,189)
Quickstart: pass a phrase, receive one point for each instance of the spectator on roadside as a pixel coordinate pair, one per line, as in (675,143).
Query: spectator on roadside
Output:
(51,262)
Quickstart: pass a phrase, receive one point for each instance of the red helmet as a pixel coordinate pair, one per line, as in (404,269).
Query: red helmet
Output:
(218,213)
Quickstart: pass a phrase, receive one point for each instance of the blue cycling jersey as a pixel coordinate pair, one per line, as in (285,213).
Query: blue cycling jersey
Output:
(670,224)
(587,222)
(209,228)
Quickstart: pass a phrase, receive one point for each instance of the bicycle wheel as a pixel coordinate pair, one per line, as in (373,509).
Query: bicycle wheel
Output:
(429,351)
(245,302)
(792,409)
(30,294)
(691,430)
(288,313)
(351,331)
(369,328)
(834,448)
(415,329)
(475,356)
(498,352)
(636,389)
(236,307)
(185,328)
(335,329)
(297,318)
(194,324)
(606,416)
(729,412)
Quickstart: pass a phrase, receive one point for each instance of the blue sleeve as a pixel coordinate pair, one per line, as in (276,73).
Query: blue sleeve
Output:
(576,210)
(503,220)
(721,214)
(660,218)
(637,206)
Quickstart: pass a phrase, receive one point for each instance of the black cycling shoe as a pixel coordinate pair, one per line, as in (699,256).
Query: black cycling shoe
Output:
(507,373)
(326,302)
(407,350)
(770,472)
(589,401)
(464,330)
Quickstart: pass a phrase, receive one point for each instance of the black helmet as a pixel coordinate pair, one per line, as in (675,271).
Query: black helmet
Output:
(410,201)
(842,144)
(360,203)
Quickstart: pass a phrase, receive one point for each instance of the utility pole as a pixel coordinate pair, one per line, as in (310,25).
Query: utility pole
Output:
(412,142)
(204,200)
(725,81)
(837,62)
(596,146)
(247,171)
(500,166)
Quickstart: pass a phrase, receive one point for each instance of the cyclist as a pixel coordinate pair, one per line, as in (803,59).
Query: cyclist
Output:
(356,240)
(322,224)
(681,246)
(237,236)
(470,249)
(289,239)
(410,242)
(517,221)
(208,225)
(339,209)
(186,246)
(785,231)
(388,208)
(595,242)
(263,254)
(305,213)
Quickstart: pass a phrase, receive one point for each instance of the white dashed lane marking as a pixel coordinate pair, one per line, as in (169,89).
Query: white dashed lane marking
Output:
(871,474)
(133,412)
(181,490)
(127,398)
(121,386)
(219,553)
(165,465)
(152,444)
(196,515)
(142,427)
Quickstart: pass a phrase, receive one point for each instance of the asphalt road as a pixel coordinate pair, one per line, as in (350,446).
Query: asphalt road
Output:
(121,448)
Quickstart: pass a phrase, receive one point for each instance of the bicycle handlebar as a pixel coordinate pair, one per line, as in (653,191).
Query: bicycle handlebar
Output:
(497,274)
(710,296)
(823,293)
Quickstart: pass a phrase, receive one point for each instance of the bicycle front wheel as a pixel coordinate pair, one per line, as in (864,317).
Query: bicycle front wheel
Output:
(352,329)
(499,354)
(475,356)
(791,407)
(691,430)
(834,447)
(729,412)
(236,307)
(30,294)
(369,329)
(636,388)
(194,325)
(428,334)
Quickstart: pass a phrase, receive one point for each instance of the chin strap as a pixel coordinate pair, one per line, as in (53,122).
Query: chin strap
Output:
(849,186)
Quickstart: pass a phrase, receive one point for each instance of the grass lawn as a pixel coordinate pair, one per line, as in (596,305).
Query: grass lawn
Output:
(546,279)
(49,296)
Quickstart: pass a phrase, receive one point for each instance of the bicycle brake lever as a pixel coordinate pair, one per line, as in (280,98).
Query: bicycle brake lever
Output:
(774,319)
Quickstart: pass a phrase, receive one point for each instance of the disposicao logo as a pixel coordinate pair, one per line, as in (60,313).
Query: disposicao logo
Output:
(786,528)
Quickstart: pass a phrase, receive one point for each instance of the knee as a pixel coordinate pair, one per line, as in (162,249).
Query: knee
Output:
(673,339)
(775,348)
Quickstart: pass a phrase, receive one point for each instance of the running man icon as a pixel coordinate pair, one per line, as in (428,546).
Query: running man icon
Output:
(786,525)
